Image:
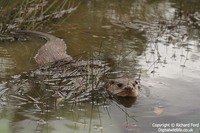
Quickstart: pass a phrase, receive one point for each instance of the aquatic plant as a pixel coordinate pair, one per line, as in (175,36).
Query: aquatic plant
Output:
(29,14)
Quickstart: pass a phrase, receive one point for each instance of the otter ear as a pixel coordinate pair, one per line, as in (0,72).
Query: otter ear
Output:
(136,82)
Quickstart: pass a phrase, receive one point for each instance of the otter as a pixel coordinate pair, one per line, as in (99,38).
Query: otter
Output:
(123,87)
(54,50)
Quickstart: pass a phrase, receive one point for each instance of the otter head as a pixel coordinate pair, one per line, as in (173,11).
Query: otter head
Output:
(123,87)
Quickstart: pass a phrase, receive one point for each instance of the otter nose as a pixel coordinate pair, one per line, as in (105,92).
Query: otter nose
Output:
(129,89)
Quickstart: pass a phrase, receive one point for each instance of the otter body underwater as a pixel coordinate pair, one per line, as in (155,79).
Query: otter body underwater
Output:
(52,55)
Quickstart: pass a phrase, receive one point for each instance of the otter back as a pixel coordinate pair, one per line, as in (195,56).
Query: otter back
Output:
(53,50)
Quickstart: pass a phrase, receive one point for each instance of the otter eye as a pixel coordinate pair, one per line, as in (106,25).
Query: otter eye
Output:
(119,85)
(136,81)
(112,82)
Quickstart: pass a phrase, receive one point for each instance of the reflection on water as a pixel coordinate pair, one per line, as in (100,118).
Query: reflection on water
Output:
(6,62)
(157,41)
(17,57)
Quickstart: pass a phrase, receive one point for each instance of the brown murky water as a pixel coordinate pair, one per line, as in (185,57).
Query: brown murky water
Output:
(157,41)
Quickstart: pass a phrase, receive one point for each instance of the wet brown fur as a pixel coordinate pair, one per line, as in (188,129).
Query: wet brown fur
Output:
(55,50)
(123,87)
